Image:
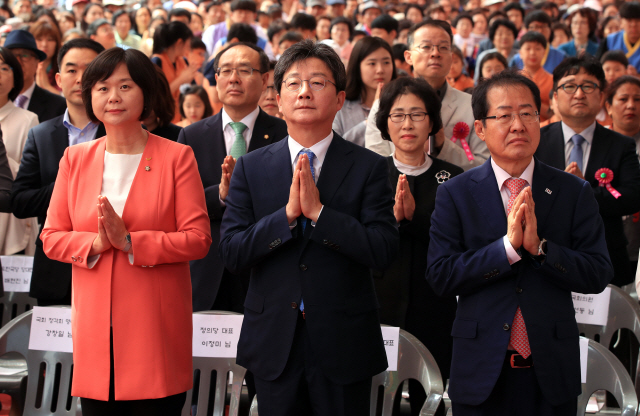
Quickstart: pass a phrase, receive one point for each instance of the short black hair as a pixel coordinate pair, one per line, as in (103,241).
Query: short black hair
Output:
(142,72)
(616,56)
(304,50)
(404,86)
(537,16)
(95,25)
(533,37)
(342,20)
(462,16)
(80,43)
(291,36)
(630,10)
(243,32)
(497,13)
(303,21)
(615,85)
(431,23)
(514,6)
(264,59)
(488,57)
(202,94)
(18,81)
(180,13)
(168,34)
(385,22)
(502,22)
(275,28)
(119,13)
(357,33)
(505,79)
(197,43)
(572,65)
(398,51)
(249,5)
(404,24)
(414,6)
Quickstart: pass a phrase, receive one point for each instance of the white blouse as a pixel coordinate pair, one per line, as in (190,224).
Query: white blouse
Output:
(117,177)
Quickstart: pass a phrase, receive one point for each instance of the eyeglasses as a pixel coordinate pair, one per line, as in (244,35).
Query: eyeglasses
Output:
(427,47)
(244,71)
(507,119)
(587,87)
(315,83)
(400,117)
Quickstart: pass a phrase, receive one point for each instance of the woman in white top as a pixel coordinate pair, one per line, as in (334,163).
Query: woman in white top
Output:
(16,235)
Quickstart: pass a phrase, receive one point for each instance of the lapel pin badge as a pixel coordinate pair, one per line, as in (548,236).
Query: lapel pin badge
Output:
(148,158)
(548,191)
(147,168)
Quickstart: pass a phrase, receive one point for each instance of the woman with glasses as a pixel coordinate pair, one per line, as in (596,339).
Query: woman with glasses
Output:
(371,63)
(409,112)
(583,26)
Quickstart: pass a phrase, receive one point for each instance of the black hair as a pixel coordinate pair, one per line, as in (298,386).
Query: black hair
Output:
(18,81)
(342,20)
(168,34)
(243,32)
(615,85)
(414,6)
(405,86)
(537,16)
(180,13)
(140,68)
(603,24)
(163,106)
(462,16)
(572,65)
(355,88)
(404,24)
(81,43)
(534,37)
(488,57)
(385,22)
(249,5)
(430,23)
(514,6)
(303,21)
(197,43)
(630,10)
(616,56)
(357,33)
(84,25)
(497,13)
(304,50)
(505,79)
(202,94)
(505,23)
(559,26)
(456,51)
(119,13)
(398,51)
(95,25)
(210,5)
(263,58)
(275,28)
(291,36)
(133,18)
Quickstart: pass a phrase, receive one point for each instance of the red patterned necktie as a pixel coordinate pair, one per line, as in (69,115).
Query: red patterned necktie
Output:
(519,340)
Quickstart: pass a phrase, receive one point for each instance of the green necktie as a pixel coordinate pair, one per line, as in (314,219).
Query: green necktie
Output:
(239,147)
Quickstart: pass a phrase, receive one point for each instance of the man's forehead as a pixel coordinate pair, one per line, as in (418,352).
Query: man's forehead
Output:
(239,53)
(582,75)
(431,34)
(513,96)
(314,65)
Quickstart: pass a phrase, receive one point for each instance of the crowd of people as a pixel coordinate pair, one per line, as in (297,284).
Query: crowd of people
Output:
(232,213)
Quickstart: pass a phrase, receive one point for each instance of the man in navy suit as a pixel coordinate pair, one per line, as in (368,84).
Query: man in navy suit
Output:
(310,216)
(46,143)
(212,140)
(513,238)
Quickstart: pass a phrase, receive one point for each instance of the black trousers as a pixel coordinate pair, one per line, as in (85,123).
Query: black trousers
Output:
(165,406)
(516,393)
(303,390)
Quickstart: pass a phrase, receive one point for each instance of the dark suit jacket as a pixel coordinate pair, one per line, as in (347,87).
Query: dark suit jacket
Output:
(618,153)
(207,140)
(30,197)
(467,258)
(46,105)
(328,266)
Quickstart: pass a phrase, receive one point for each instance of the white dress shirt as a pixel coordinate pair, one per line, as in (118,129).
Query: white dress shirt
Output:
(587,133)
(230,135)
(501,177)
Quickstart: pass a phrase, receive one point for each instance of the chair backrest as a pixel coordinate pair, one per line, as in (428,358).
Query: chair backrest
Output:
(605,372)
(14,337)
(205,366)
(14,304)
(624,312)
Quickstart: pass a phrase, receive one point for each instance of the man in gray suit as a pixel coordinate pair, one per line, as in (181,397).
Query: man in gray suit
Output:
(430,55)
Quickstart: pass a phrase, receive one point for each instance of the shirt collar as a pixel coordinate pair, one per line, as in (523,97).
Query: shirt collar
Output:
(66,121)
(319,149)
(249,120)
(587,133)
(502,175)
(29,92)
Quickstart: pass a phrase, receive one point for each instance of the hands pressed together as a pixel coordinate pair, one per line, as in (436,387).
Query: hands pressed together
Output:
(522,226)
(304,198)
(405,204)
(111,229)
(228,165)
(573,169)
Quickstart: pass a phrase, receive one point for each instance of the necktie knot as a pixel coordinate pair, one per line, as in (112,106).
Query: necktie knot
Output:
(239,146)
(21,100)
(577,140)
(238,128)
(515,186)
(311,157)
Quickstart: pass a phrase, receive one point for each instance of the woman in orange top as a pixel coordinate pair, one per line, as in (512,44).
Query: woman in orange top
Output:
(128,212)
(171,43)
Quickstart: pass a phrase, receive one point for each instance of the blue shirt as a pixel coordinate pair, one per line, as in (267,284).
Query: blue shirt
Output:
(554,57)
(77,136)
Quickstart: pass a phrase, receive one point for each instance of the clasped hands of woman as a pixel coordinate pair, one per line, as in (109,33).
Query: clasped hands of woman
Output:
(111,229)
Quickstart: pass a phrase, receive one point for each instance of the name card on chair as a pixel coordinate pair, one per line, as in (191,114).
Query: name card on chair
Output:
(216,335)
(16,273)
(391,339)
(592,309)
(51,329)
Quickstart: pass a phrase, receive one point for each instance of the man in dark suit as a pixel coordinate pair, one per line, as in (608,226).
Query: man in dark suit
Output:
(513,238)
(46,143)
(310,216)
(213,140)
(578,84)
(43,103)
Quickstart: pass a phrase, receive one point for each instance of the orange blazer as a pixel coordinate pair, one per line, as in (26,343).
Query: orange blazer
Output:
(148,303)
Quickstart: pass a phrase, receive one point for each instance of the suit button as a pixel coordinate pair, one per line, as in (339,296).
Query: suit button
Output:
(294,305)
(518,290)
(303,267)
(74,258)
(325,242)
(506,327)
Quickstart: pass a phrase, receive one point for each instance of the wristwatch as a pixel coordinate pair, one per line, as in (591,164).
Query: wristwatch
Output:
(542,248)
(127,246)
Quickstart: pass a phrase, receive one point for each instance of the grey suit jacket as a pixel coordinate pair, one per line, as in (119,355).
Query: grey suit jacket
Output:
(349,122)
(456,107)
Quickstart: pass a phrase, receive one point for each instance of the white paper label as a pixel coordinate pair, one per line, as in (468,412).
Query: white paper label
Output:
(391,338)
(592,309)
(216,335)
(584,358)
(51,329)
(16,273)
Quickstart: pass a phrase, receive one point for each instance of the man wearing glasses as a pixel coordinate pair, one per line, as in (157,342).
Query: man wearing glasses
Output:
(582,147)
(310,216)
(513,238)
(218,141)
